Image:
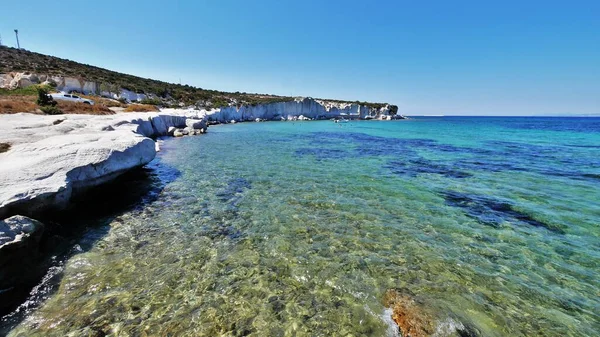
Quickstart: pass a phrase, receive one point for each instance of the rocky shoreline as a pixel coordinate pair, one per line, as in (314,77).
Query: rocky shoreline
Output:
(51,159)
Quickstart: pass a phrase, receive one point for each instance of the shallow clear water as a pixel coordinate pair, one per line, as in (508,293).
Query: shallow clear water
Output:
(274,229)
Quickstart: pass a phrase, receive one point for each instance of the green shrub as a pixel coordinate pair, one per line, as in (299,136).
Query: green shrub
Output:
(151,101)
(28,91)
(51,110)
(44,99)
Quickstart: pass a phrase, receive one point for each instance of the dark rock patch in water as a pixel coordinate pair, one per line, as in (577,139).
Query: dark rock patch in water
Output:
(414,167)
(232,192)
(368,145)
(232,195)
(487,165)
(321,153)
(492,212)
(595,176)
(221,231)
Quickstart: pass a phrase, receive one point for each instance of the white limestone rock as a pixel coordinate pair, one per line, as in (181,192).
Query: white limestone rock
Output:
(48,163)
(17,229)
(195,123)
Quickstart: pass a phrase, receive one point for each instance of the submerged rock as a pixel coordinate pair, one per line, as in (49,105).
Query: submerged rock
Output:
(417,319)
(19,246)
(17,231)
(411,316)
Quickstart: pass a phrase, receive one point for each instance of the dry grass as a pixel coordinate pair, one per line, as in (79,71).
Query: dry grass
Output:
(12,105)
(141,108)
(16,104)
(4,147)
(107,102)
(84,109)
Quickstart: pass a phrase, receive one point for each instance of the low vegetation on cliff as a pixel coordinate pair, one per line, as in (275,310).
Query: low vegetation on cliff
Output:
(166,94)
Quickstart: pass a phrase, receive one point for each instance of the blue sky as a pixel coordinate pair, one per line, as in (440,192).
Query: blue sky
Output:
(428,57)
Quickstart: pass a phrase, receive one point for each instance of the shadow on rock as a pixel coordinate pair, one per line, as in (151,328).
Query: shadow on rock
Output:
(70,232)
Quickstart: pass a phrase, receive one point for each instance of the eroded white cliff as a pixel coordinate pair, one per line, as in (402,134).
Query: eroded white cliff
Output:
(53,156)
(306,107)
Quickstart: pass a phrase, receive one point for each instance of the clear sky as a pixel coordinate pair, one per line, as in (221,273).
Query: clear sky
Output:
(428,57)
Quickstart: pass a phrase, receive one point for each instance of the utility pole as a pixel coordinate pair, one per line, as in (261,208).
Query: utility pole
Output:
(17,35)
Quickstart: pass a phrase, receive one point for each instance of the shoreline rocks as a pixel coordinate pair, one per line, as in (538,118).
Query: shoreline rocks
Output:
(52,159)
(48,162)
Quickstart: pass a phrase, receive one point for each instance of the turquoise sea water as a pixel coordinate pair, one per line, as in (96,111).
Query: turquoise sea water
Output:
(299,229)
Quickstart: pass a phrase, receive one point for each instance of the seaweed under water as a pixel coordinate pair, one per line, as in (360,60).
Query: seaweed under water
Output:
(306,237)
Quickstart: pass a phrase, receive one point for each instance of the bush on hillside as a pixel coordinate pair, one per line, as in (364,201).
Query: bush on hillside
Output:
(151,101)
(44,99)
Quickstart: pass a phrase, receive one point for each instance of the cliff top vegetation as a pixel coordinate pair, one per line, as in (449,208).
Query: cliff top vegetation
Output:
(19,60)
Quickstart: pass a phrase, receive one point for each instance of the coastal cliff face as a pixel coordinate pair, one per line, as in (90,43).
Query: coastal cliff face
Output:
(16,80)
(306,107)
(286,109)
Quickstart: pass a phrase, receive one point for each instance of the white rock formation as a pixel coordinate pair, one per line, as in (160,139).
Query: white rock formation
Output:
(305,107)
(50,160)
(65,84)
(18,229)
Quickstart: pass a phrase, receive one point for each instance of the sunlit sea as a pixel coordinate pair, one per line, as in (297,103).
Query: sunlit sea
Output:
(300,228)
